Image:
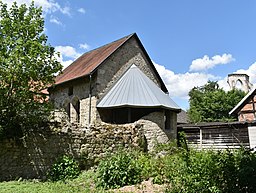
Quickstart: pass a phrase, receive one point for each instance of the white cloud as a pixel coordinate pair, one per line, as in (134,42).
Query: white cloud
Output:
(64,63)
(68,51)
(223,83)
(179,85)
(49,6)
(84,46)
(55,20)
(81,10)
(65,10)
(205,63)
(251,72)
(67,55)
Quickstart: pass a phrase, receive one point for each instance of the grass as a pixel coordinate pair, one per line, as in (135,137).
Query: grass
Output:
(84,183)
(181,170)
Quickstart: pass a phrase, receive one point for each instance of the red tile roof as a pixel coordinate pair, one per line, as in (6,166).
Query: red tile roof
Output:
(89,61)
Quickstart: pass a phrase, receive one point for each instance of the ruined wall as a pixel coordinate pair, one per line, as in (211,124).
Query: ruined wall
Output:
(153,127)
(36,152)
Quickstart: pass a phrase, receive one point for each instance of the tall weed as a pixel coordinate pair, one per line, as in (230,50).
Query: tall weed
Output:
(118,170)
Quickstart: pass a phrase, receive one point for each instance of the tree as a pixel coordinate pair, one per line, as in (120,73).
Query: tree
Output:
(27,66)
(211,103)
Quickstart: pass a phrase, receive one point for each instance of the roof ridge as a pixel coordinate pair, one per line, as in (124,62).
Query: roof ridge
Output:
(90,60)
(126,37)
(105,45)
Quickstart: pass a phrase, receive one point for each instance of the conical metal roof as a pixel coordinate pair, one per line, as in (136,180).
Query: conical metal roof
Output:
(135,89)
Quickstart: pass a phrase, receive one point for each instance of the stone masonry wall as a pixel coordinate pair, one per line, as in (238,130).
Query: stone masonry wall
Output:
(80,92)
(38,150)
(153,128)
(107,74)
(119,62)
(34,154)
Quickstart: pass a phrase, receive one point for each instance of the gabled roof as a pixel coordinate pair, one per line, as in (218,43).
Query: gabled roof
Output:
(89,62)
(182,117)
(135,89)
(240,105)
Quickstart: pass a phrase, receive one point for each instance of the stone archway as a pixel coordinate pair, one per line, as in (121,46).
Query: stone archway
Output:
(239,81)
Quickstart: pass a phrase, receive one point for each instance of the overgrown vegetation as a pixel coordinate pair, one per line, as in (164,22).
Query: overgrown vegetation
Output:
(182,170)
(177,168)
(27,66)
(211,103)
(119,169)
(65,168)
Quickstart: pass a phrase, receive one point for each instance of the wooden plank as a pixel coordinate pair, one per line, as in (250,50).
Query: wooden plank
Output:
(252,137)
(218,137)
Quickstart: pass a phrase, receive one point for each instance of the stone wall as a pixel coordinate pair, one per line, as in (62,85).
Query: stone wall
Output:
(119,62)
(102,80)
(32,156)
(153,127)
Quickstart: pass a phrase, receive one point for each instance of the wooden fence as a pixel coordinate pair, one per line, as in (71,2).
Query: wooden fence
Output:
(216,135)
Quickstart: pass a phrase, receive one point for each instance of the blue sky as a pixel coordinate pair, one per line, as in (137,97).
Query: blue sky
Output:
(190,41)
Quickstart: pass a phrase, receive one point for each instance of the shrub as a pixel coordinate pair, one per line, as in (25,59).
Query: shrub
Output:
(245,170)
(211,171)
(119,169)
(65,168)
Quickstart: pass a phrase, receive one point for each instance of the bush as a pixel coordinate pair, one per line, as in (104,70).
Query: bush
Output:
(65,168)
(182,170)
(119,169)
(193,172)
(245,170)
(211,171)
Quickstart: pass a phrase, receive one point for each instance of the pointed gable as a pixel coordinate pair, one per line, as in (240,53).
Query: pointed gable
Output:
(89,61)
(250,96)
(135,89)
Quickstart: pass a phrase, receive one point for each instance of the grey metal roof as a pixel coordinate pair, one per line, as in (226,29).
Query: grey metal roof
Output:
(135,89)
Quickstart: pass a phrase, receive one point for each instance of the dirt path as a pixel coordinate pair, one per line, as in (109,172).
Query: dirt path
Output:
(144,187)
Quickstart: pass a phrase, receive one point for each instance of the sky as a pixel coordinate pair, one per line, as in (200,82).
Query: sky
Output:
(189,41)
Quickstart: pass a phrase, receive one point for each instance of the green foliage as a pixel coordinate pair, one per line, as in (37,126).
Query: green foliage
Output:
(211,103)
(193,171)
(27,66)
(181,170)
(211,171)
(65,168)
(119,169)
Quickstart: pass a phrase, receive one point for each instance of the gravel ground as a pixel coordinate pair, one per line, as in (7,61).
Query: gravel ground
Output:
(144,187)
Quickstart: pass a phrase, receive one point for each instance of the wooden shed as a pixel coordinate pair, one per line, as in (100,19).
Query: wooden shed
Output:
(219,135)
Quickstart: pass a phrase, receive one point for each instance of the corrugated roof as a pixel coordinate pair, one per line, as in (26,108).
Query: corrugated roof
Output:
(242,102)
(135,89)
(182,117)
(89,61)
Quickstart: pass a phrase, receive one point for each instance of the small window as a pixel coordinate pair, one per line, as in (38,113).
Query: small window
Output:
(70,91)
